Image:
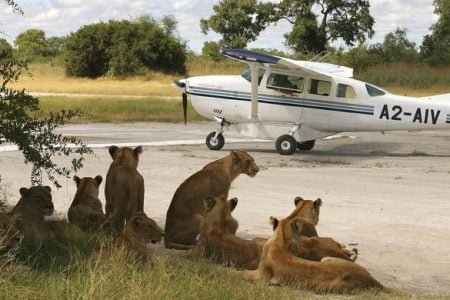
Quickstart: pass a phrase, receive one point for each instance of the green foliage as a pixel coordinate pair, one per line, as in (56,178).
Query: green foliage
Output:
(435,48)
(120,48)
(395,48)
(349,20)
(211,50)
(6,50)
(237,21)
(35,137)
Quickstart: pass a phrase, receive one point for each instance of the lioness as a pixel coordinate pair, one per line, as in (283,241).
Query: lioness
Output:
(86,209)
(310,246)
(137,233)
(35,203)
(124,187)
(217,238)
(186,210)
(331,274)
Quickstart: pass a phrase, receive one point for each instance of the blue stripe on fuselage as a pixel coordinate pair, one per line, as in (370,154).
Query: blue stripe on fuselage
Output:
(289,101)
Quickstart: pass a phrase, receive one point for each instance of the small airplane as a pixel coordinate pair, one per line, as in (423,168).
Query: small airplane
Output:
(297,102)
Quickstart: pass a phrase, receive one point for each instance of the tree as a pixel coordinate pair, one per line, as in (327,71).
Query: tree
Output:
(395,48)
(31,44)
(33,136)
(237,21)
(119,48)
(6,50)
(436,47)
(349,20)
(211,50)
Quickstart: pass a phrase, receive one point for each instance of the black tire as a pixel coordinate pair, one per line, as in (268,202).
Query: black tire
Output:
(286,144)
(215,144)
(306,146)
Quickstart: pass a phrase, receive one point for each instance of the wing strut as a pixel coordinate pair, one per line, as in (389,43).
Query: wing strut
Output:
(254,96)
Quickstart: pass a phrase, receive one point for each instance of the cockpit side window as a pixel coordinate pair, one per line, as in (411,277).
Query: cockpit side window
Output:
(247,75)
(373,91)
(286,83)
(319,87)
(345,91)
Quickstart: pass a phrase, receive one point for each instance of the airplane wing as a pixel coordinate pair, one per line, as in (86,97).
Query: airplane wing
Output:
(276,62)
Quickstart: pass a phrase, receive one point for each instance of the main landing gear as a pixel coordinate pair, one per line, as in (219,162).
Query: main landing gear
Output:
(287,144)
(215,141)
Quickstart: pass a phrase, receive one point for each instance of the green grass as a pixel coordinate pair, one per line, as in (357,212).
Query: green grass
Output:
(109,274)
(119,109)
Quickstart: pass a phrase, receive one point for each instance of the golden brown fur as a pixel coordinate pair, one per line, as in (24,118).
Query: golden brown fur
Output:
(28,214)
(218,240)
(138,232)
(331,274)
(186,210)
(310,211)
(124,187)
(86,209)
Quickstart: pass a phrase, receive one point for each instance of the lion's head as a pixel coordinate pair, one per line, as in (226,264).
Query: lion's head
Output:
(37,199)
(244,163)
(307,209)
(125,157)
(144,229)
(218,214)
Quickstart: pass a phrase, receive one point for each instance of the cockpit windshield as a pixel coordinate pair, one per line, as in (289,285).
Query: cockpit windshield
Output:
(247,75)
(374,91)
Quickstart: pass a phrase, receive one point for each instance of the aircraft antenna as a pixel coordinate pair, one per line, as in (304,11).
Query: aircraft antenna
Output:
(317,56)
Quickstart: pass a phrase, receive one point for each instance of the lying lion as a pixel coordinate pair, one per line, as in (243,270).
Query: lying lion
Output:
(310,246)
(279,264)
(124,187)
(86,209)
(217,238)
(186,210)
(137,233)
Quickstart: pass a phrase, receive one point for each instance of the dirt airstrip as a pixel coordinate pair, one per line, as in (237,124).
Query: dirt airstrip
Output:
(389,194)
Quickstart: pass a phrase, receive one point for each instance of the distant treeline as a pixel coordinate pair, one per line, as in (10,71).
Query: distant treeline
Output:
(133,47)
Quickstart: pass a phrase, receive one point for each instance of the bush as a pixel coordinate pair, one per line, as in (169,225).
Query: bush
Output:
(120,48)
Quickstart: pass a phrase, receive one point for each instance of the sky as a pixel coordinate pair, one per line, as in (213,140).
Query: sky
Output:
(60,17)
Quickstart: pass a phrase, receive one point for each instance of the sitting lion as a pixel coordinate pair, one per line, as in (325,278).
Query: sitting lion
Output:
(124,187)
(86,209)
(186,210)
(137,233)
(10,236)
(331,274)
(308,210)
(217,238)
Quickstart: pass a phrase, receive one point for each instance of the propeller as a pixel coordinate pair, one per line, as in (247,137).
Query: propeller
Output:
(182,85)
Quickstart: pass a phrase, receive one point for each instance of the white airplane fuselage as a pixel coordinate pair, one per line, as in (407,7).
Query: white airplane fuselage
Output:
(311,116)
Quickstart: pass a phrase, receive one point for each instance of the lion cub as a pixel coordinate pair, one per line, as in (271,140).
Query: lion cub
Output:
(186,210)
(137,233)
(218,240)
(124,187)
(86,209)
(279,264)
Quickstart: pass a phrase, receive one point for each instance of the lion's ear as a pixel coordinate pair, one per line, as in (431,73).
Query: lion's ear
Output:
(296,227)
(112,151)
(274,222)
(98,179)
(233,203)
(297,200)
(77,180)
(235,156)
(209,203)
(49,189)
(318,203)
(23,191)
(138,150)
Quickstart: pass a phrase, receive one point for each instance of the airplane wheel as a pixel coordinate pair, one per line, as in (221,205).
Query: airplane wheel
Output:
(286,144)
(215,143)
(305,146)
